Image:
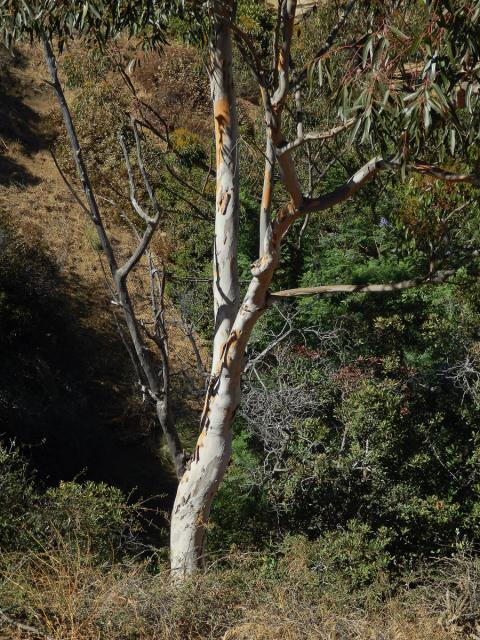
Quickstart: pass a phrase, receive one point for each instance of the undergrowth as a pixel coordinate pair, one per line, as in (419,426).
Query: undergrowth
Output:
(79,570)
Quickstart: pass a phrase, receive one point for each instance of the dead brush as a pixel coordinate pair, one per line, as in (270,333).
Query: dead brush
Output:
(58,589)
(66,594)
(451,594)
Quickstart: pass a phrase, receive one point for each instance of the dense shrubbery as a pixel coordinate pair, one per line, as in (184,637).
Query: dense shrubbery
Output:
(368,416)
(90,517)
(70,567)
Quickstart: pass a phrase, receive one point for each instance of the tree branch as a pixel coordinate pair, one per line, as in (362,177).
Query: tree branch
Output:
(125,269)
(283,68)
(131,182)
(314,135)
(158,391)
(437,277)
(69,185)
(93,209)
(367,172)
(151,193)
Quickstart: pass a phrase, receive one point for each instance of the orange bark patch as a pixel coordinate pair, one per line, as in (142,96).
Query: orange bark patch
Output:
(225,199)
(267,190)
(200,444)
(221,111)
(201,439)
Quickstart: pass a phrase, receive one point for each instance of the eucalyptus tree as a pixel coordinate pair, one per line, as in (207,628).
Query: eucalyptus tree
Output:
(400,79)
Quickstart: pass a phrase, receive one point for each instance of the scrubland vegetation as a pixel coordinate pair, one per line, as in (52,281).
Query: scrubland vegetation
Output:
(350,508)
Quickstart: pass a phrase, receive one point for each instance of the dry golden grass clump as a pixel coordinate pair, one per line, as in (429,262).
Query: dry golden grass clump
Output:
(65,593)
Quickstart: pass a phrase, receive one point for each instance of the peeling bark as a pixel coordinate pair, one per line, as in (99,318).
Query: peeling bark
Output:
(212,453)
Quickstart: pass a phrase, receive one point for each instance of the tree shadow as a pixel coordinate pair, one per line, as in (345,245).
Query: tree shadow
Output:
(14,174)
(66,384)
(19,123)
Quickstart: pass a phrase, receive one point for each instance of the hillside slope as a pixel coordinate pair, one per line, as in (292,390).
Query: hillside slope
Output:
(87,418)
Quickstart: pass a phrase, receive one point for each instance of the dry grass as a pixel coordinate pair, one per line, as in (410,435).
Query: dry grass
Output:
(66,595)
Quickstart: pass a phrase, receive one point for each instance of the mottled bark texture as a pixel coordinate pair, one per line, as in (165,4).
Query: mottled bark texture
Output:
(212,453)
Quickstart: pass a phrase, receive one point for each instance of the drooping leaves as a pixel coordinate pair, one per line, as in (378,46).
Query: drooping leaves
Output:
(101,20)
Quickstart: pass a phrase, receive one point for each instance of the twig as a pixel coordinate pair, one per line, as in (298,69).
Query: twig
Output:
(24,627)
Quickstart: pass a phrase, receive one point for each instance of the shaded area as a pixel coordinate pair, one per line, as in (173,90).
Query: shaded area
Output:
(66,384)
(19,123)
(66,387)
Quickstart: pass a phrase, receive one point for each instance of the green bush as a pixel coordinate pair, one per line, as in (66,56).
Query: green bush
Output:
(85,65)
(351,561)
(189,146)
(18,500)
(240,514)
(88,516)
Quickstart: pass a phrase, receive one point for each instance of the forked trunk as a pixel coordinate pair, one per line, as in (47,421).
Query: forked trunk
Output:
(212,453)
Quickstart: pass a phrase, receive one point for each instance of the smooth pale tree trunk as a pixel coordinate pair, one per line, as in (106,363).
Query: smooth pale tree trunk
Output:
(233,323)
(206,469)
(212,454)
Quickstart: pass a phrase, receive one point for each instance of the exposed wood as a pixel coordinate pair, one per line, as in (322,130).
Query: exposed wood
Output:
(388,287)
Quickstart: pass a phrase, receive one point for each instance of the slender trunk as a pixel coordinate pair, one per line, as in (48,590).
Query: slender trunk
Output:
(206,469)
(212,453)
(160,392)
(225,267)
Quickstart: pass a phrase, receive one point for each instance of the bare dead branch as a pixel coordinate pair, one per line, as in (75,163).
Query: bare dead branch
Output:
(69,185)
(440,276)
(125,269)
(131,181)
(141,165)
(77,155)
(158,389)
(315,135)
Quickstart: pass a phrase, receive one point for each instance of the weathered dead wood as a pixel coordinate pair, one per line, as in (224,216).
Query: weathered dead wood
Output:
(158,386)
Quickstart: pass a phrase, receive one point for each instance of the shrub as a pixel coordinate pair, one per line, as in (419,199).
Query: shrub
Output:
(68,595)
(84,65)
(188,145)
(240,514)
(18,498)
(90,515)
(353,561)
